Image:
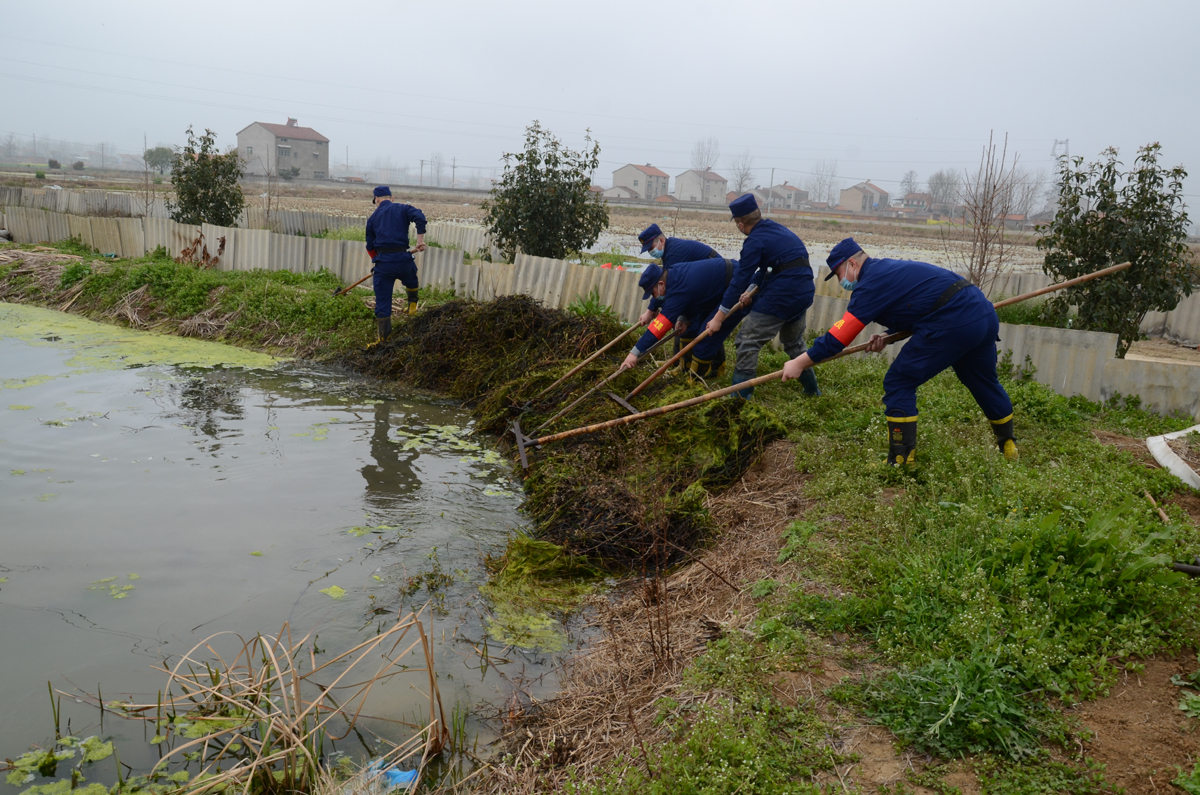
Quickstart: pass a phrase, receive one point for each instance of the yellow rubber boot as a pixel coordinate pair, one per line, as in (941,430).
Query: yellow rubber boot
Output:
(1005,440)
(412,302)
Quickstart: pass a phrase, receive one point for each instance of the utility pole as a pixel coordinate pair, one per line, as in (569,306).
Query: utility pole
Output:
(422,173)
(101,154)
(771,190)
(453,168)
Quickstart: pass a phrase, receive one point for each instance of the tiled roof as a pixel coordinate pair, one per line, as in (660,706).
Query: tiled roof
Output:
(649,170)
(284,131)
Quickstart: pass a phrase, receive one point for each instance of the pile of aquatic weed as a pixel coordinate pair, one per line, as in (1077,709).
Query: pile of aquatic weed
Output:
(631,495)
(280,311)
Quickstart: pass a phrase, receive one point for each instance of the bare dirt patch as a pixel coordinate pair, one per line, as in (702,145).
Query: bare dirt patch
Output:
(1139,732)
(1135,447)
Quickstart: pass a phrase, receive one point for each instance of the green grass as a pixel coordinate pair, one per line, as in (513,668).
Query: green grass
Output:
(279,311)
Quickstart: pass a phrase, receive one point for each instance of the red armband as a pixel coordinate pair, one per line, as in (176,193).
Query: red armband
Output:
(371,253)
(846,329)
(660,326)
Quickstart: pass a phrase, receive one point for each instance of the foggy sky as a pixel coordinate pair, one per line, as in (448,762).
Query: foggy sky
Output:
(881,87)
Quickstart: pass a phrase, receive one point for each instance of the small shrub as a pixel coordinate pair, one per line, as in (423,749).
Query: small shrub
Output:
(39,175)
(77,165)
(591,306)
(75,273)
(54,163)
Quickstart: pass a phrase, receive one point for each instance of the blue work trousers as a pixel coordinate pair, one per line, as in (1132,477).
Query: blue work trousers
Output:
(970,349)
(386,274)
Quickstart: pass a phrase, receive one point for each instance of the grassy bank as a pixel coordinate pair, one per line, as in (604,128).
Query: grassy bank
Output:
(967,604)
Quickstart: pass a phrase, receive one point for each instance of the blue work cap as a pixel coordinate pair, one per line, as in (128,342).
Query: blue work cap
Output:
(648,236)
(840,253)
(743,205)
(649,278)
(382,190)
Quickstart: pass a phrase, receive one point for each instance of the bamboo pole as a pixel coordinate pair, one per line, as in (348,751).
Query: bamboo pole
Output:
(586,361)
(667,365)
(763,379)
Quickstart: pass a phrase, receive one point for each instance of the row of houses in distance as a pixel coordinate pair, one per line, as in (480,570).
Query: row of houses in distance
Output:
(649,184)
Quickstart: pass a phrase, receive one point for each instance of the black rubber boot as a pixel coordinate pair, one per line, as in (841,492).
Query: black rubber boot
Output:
(708,368)
(685,361)
(902,440)
(1004,437)
(412,302)
(808,380)
(385,327)
(744,394)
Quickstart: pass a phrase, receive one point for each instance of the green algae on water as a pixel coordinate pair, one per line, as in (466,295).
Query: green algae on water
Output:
(98,346)
(334,592)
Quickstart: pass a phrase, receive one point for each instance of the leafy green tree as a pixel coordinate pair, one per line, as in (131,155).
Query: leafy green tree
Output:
(206,183)
(543,203)
(159,158)
(1107,216)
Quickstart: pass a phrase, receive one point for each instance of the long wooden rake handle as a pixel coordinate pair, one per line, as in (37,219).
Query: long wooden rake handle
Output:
(667,365)
(607,378)
(587,361)
(344,290)
(762,379)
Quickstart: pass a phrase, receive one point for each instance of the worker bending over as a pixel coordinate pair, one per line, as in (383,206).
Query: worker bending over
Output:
(387,243)
(672,251)
(774,258)
(953,325)
(688,290)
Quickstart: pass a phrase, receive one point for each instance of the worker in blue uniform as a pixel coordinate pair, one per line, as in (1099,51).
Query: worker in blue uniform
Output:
(952,323)
(672,251)
(774,258)
(689,290)
(387,243)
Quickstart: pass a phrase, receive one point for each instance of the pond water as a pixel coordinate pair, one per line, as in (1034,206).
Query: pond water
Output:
(155,490)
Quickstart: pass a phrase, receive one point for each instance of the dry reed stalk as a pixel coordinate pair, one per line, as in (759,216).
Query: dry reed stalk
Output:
(269,718)
(607,702)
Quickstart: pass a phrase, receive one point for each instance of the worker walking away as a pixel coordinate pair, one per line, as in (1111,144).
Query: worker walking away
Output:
(387,243)
(952,323)
(689,290)
(774,258)
(672,251)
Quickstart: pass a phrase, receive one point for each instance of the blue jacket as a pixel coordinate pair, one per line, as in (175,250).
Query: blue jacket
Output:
(899,295)
(693,290)
(784,295)
(677,250)
(388,228)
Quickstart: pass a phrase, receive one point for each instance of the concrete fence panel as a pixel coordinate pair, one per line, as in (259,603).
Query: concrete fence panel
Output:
(157,232)
(106,236)
(213,237)
(62,199)
(496,279)
(1164,388)
(133,236)
(17,226)
(182,236)
(321,253)
(253,250)
(1069,361)
(315,223)
(288,253)
(81,227)
(356,262)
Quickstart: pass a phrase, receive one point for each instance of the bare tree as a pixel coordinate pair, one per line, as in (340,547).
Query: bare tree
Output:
(944,186)
(987,198)
(822,184)
(743,172)
(147,192)
(1028,191)
(10,147)
(437,168)
(706,153)
(909,183)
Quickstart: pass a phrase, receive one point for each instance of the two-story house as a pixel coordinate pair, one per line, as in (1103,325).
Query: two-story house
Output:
(281,148)
(646,181)
(707,187)
(864,197)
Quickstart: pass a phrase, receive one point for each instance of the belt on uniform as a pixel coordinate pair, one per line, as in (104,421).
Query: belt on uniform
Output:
(728,271)
(775,270)
(390,249)
(947,294)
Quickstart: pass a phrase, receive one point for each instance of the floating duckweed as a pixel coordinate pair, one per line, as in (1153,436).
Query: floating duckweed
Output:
(19,407)
(334,592)
(47,497)
(257,554)
(18,471)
